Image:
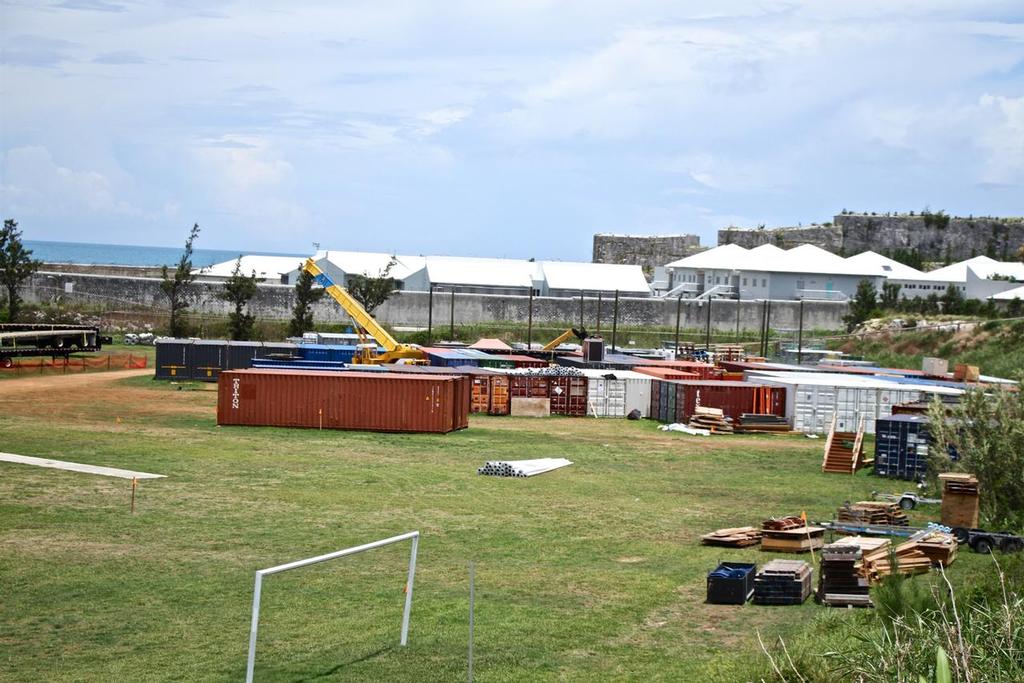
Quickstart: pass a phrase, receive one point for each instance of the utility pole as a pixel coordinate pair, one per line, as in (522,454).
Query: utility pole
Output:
(599,314)
(582,326)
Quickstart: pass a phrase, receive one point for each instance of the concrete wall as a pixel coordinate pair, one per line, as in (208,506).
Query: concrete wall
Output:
(936,238)
(275,302)
(646,251)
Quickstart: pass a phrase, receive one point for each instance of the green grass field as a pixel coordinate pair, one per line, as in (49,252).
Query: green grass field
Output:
(592,572)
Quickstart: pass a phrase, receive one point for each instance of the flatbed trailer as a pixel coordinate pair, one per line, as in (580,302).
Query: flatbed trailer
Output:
(979,540)
(56,341)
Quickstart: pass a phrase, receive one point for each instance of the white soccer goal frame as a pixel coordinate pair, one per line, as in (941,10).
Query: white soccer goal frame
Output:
(414,536)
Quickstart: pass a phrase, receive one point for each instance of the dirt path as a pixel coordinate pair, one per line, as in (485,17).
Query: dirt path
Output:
(43,383)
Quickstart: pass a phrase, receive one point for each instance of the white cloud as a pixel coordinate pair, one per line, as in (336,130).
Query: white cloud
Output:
(33,182)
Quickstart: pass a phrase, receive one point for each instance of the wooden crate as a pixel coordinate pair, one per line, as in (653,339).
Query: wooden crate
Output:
(961,496)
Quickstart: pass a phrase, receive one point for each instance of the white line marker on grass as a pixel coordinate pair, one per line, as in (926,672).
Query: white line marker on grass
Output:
(77,467)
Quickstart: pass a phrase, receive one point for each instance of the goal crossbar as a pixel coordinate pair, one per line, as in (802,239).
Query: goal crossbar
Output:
(414,536)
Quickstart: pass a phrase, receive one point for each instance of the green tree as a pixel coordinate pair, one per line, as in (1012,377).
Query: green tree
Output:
(890,296)
(862,306)
(177,287)
(16,266)
(987,430)
(953,300)
(239,289)
(371,292)
(305,296)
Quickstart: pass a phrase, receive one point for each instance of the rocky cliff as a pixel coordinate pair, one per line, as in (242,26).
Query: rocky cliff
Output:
(935,236)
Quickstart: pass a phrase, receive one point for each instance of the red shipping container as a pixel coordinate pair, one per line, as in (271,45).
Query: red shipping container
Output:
(529,386)
(733,398)
(665,372)
(568,396)
(369,401)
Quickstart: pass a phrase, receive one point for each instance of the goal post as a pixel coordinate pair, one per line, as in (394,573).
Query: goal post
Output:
(414,536)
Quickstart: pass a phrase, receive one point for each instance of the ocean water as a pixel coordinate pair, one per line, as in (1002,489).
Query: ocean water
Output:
(130,255)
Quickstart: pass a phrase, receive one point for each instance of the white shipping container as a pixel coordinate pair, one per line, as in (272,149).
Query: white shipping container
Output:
(617,397)
(813,398)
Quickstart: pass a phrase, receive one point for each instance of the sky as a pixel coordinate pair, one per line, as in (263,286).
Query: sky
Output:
(511,128)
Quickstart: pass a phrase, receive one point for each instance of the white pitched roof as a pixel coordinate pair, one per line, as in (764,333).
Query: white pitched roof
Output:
(1009,295)
(266,267)
(373,263)
(481,272)
(767,258)
(957,272)
(883,266)
(595,276)
(987,271)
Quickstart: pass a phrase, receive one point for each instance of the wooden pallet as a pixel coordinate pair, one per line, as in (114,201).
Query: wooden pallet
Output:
(736,537)
(871,512)
(801,540)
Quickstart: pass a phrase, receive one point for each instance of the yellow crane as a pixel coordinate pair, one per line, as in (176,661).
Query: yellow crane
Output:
(366,353)
(564,337)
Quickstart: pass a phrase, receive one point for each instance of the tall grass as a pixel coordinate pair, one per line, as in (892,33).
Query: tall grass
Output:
(978,632)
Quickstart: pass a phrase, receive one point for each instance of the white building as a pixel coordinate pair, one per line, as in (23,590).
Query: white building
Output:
(509,277)
(768,272)
(271,269)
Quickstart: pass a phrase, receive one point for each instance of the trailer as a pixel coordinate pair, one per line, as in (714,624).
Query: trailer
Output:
(984,542)
(907,500)
(17,340)
(979,540)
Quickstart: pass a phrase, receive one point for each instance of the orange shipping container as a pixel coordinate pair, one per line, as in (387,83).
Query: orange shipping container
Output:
(665,372)
(369,401)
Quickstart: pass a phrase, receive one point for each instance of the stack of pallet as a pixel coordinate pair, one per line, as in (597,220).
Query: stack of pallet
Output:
(960,499)
(783,582)
(840,582)
(871,512)
(909,559)
(736,537)
(711,419)
(760,422)
(729,352)
(790,535)
(938,546)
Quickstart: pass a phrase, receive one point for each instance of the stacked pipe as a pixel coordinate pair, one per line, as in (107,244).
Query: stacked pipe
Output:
(521,468)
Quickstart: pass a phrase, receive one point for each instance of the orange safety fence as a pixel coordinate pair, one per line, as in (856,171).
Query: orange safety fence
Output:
(99,362)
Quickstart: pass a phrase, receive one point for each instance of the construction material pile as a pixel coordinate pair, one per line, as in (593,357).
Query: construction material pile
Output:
(756,423)
(916,555)
(783,582)
(735,537)
(791,535)
(711,419)
(730,352)
(840,582)
(521,468)
(552,371)
(960,500)
(870,512)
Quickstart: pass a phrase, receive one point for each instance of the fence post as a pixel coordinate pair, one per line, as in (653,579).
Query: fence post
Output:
(599,314)
(529,323)
(581,310)
(430,315)
(707,327)
(679,313)
(800,335)
(615,319)
(738,307)
(451,324)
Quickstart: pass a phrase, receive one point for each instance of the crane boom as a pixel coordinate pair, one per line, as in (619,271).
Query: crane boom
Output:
(392,349)
(565,336)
